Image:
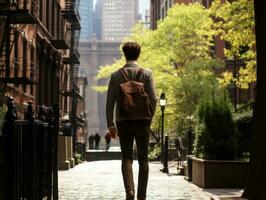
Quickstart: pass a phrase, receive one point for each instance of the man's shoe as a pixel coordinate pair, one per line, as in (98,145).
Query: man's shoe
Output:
(130,195)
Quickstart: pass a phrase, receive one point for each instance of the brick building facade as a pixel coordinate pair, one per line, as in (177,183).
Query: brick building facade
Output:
(39,59)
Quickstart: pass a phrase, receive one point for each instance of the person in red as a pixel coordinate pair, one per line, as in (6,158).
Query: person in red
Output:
(131,126)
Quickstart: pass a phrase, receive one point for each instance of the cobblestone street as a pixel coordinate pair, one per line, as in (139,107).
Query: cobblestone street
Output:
(102,180)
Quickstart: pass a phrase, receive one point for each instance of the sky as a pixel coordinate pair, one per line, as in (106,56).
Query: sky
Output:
(143,5)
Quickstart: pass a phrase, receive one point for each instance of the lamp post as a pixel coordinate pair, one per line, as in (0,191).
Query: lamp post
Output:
(164,148)
(234,63)
(189,157)
(190,139)
(162,105)
(235,88)
(165,161)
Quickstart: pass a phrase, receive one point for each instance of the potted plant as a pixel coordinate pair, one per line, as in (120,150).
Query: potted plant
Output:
(215,163)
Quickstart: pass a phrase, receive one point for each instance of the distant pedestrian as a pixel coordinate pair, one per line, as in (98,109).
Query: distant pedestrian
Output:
(97,139)
(107,140)
(131,90)
(91,142)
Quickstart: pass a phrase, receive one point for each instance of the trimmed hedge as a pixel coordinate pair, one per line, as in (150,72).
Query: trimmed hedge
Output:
(216,130)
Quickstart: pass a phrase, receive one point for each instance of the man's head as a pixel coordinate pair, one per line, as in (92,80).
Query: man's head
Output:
(131,50)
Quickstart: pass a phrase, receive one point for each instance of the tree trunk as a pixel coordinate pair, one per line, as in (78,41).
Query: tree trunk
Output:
(256,185)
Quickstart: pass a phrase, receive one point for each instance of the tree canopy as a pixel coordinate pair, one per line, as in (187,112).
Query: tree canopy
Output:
(178,53)
(234,23)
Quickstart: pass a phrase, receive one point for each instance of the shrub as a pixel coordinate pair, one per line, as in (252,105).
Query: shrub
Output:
(215,130)
(77,158)
(243,121)
(155,153)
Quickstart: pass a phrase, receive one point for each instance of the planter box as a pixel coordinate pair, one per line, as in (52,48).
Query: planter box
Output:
(3,167)
(219,173)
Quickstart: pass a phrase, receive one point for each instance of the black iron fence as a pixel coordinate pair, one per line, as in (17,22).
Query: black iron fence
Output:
(30,154)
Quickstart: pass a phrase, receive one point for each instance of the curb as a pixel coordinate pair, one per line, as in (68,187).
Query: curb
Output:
(226,198)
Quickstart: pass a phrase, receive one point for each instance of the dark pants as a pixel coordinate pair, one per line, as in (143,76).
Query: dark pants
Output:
(140,131)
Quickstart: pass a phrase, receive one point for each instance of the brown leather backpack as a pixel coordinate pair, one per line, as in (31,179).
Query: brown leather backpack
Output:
(134,101)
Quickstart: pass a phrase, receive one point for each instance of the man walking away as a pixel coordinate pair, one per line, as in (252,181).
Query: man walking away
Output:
(132,90)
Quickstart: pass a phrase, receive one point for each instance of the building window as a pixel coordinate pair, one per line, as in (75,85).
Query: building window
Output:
(32,70)
(231,92)
(24,62)
(57,25)
(213,47)
(61,30)
(47,14)
(16,60)
(163,13)
(244,96)
(40,10)
(205,3)
(53,17)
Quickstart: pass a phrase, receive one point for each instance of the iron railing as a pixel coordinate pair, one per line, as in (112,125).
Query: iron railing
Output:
(20,11)
(70,12)
(31,154)
(61,38)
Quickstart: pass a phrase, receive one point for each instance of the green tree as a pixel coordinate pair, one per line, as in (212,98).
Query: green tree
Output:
(234,23)
(178,53)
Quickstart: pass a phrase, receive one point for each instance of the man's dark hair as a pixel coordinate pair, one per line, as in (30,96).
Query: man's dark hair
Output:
(131,50)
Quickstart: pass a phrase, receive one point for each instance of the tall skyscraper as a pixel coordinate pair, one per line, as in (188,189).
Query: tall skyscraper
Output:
(86,15)
(97,19)
(118,18)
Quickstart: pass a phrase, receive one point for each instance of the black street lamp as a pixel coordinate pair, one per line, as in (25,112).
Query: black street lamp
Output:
(164,149)
(190,136)
(189,157)
(162,105)
(235,87)
(235,63)
(165,161)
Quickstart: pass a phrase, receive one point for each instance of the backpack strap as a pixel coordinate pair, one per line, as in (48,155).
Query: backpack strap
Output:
(140,71)
(124,74)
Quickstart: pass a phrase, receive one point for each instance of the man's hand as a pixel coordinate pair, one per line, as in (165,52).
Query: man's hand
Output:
(113,132)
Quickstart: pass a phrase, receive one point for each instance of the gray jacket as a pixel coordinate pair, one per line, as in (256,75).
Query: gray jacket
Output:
(114,87)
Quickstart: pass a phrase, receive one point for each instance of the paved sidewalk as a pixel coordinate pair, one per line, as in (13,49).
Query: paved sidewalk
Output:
(102,180)
(224,193)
